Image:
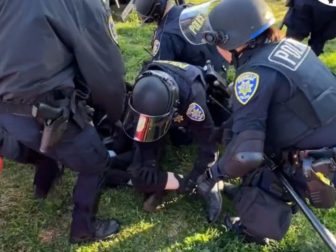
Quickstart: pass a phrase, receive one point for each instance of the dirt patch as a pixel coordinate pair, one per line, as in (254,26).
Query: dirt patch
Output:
(48,235)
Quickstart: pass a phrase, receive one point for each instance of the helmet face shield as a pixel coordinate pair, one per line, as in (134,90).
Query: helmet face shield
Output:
(228,24)
(195,25)
(145,128)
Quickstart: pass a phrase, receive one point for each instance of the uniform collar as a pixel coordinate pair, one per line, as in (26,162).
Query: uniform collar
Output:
(249,53)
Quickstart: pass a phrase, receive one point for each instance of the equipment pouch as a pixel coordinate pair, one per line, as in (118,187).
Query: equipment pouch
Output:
(53,132)
(320,189)
(261,214)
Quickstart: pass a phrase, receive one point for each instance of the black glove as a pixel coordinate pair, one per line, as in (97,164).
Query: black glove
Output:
(149,172)
(204,184)
(209,189)
(188,183)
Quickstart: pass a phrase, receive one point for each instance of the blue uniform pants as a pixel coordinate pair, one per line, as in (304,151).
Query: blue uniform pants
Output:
(80,149)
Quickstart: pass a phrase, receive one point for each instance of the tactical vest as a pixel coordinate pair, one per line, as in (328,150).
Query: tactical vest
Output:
(184,74)
(312,103)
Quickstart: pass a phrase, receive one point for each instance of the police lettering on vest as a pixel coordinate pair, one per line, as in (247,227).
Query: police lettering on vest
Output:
(289,53)
(313,89)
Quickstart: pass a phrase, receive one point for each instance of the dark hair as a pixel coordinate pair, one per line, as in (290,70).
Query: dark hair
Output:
(271,35)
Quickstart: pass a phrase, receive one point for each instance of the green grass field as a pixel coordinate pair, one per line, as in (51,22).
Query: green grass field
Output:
(30,225)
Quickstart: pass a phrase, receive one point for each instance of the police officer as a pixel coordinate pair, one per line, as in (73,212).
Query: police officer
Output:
(168,41)
(283,98)
(42,111)
(168,93)
(313,19)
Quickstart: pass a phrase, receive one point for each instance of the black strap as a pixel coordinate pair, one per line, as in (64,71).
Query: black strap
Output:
(74,102)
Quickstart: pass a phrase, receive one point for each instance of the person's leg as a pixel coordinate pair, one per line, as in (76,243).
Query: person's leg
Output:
(316,42)
(298,22)
(325,30)
(47,169)
(82,151)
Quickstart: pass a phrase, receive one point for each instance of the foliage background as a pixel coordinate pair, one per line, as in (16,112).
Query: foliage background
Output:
(30,225)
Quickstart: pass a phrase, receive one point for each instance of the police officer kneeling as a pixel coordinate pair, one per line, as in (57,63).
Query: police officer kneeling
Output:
(283,99)
(42,115)
(168,43)
(168,93)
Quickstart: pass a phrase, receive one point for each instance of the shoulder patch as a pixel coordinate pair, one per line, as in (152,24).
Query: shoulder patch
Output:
(289,53)
(195,112)
(112,30)
(246,86)
(156,47)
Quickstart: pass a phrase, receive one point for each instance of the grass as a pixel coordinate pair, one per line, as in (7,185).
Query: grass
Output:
(30,225)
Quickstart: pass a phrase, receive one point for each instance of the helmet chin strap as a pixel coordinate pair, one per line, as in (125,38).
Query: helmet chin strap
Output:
(235,57)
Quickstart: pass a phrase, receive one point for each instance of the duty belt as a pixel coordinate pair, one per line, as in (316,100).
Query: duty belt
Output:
(55,114)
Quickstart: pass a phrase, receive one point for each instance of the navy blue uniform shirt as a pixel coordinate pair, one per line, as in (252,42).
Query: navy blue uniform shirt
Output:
(45,43)
(272,89)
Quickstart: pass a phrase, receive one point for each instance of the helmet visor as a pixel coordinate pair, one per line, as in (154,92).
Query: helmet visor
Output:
(195,25)
(145,128)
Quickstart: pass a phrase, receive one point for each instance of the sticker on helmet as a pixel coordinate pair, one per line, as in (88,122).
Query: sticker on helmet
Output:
(112,30)
(156,47)
(195,112)
(329,2)
(246,86)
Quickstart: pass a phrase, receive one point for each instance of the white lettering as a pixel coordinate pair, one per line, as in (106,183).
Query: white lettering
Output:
(284,56)
(292,50)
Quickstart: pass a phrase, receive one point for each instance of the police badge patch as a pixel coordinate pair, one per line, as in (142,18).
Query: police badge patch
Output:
(156,47)
(195,112)
(246,86)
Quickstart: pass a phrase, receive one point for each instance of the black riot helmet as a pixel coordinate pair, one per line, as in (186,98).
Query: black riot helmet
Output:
(150,10)
(151,106)
(226,23)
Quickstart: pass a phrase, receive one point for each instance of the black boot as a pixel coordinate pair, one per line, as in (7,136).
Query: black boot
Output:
(209,189)
(103,230)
